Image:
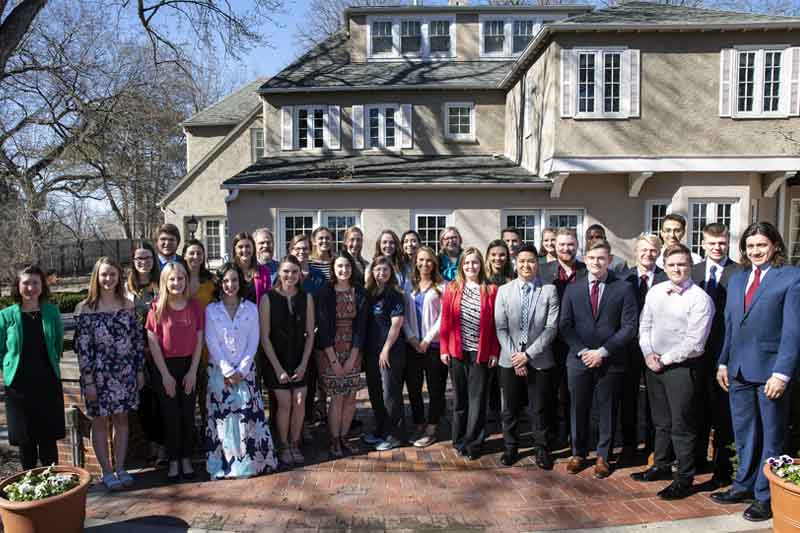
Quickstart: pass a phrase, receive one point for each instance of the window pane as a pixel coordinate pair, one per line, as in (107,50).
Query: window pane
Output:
(390,126)
(657,214)
(429,227)
(338,224)
(302,128)
(772,80)
(699,220)
(611,83)
(374,127)
(295,225)
(794,232)
(459,119)
(724,213)
(382,37)
(493,36)
(586,83)
(746,83)
(258,143)
(410,37)
(527,224)
(523,33)
(213,239)
(439,34)
(563,221)
(319,122)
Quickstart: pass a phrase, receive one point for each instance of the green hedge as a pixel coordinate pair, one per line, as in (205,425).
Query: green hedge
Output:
(66,301)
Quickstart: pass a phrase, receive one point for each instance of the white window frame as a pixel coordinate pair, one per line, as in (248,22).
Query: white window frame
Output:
(648,213)
(317,215)
(421,37)
(382,127)
(711,217)
(463,137)
(254,143)
(534,212)
(794,230)
(310,109)
(508,33)
(599,83)
(758,82)
(569,211)
(416,213)
(223,238)
(425,53)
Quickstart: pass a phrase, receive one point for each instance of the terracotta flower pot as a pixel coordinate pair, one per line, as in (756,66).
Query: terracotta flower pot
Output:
(64,513)
(785,502)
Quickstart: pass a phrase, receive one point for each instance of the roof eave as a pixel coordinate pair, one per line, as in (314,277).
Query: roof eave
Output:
(190,124)
(394,185)
(688,26)
(359,88)
(468,9)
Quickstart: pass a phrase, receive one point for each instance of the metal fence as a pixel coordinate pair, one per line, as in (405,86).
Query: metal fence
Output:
(76,259)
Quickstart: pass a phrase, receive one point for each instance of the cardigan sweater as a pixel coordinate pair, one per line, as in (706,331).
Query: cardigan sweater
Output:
(11,338)
(428,328)
(450,328)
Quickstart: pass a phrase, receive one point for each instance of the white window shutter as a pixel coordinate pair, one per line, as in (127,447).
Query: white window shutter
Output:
(567,83)
(358,127)
(406,126)
(334,127)
(726,73)
(635,88)
(287,128)
(794,80)
(527,108)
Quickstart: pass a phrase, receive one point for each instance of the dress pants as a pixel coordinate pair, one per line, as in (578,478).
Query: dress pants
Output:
(629,404)
(178,412)
(385,388)
(470,387)
(44,453)
(538,385)
(760,426)
(584,384)
(672,401)
(413,378)
(559,404)
(436,378)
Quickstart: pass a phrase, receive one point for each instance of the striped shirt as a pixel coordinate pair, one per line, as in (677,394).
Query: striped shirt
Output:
(470,317)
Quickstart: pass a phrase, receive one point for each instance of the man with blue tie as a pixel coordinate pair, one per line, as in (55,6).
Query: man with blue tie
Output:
(713,407)
(599,318)
(758,360)
(526,319)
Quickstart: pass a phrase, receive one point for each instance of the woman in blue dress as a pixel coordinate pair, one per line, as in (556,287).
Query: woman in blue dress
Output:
(238,440)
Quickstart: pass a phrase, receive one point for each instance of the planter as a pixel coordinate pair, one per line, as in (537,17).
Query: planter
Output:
(785,502)
(64,513)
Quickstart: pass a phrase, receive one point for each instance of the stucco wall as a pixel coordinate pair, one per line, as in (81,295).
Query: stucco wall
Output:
(679,101)
(200,140)
(427,122)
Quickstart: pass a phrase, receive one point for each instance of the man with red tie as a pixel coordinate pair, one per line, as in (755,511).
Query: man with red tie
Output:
(758,360)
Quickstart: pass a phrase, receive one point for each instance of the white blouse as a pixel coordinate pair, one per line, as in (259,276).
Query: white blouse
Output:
(232,344)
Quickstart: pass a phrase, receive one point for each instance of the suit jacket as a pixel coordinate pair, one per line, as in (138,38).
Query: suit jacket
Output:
(542,327)
(765,338)
(632,277)
(717,335)
(548,273)
(11,338)
(614,328)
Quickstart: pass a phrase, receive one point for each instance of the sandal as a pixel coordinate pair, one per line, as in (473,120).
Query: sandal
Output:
(111,482)
(285,456)
(297,455)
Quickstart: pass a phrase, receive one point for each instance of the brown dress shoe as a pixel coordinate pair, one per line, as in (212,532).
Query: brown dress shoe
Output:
(601,469)
(575,464)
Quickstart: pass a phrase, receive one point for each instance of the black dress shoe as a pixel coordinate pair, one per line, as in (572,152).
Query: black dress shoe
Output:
(509,457)
(473,455)
(677,490)
(731,496)
(461,452)
(758,511)
(717,482)
(543,458)
(654,473)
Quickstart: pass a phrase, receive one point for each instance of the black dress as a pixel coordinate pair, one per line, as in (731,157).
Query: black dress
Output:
(34,400)
(287,332)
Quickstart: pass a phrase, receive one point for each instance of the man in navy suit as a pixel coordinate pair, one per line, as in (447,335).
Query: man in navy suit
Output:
(758,360)
(599,318)
(641,277)
(712,275)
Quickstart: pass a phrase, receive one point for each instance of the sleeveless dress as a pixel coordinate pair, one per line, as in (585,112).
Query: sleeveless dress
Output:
(352,382)
(287,332)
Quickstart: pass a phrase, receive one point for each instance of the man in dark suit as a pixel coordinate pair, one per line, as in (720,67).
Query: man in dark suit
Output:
(712,275)
(759,359)
(641,277)
(561,273)
(599,319)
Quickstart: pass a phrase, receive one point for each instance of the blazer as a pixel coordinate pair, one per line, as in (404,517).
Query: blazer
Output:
(632,276)
(542,327)
(720,297)
(548,273)
(614,328)
(428,328)
(11,338)
(766,338)
(325,301)
(450,329)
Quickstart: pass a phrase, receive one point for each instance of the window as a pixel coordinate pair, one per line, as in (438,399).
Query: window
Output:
(611,82)
(293,223)
(382,40)
(338,222)
(411,37)
(439,36)
(494,37)
(656,211)
(600,83)
(214,235)
(527,222)
(460,121)
(524,31)
(310,128)
(256,144)
(772,80)
(702,212)
(794,232)
(586,83)
(746,84)
(566,218)
(429,225)
(382,125)
(760,82)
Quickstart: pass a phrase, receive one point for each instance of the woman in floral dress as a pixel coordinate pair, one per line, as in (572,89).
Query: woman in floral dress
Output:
(109,342)
(238,440)
(343,321)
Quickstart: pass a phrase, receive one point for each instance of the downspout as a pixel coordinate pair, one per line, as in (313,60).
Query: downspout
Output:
(521,124)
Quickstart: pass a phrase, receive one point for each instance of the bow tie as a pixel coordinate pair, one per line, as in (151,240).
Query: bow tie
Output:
(675,289)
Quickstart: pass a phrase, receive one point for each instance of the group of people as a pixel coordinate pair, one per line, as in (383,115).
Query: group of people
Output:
(716,344)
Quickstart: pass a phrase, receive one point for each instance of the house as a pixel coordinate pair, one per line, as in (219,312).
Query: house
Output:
(484,117)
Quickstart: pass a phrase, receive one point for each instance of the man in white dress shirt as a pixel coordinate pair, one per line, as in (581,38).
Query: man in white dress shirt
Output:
(673,329)
(673,229)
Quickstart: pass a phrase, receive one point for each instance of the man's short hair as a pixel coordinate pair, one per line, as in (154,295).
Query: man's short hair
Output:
(649,238)
(567,231)
(676,249)
(528,248)
(594,227)
(598,244)
(716,229)
(169,229)
(511,230)
(263,231)
(674,217)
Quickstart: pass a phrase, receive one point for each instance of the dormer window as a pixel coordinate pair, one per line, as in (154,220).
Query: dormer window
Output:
(494,37)
(411,37)
(507,36)
(524,30)
(423,37)
(439,36)
(382,38)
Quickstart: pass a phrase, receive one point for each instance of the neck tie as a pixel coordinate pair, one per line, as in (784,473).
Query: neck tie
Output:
(748,297)
(643,279)
(524,319)
(594,296)
(711,284)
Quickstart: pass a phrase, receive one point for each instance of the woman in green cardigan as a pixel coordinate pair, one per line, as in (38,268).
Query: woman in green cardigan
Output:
(31,341)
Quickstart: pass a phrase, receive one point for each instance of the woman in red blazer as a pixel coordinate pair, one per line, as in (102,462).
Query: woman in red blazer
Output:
(469,345)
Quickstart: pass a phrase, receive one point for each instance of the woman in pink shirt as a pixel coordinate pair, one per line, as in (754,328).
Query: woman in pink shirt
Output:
(175,333)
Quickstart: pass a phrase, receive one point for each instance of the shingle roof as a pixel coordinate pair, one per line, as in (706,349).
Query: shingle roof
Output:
(386,168)
(328,66)
(231,109)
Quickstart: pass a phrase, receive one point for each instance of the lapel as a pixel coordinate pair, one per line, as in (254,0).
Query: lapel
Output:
(606,294)
(537,291)
(17,316)
(699,274)
(772,274)
(582,285)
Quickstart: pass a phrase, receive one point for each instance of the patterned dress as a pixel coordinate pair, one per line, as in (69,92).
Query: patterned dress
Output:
(110,349)
(352,382)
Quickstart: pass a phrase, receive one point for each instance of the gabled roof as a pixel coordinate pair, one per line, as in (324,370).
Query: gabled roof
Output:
(328,67)
(385,170)
(231,109)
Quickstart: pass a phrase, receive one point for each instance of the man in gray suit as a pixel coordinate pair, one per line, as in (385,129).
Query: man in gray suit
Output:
(526,318)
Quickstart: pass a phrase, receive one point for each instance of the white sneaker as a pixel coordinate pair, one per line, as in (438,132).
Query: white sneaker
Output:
(389,444)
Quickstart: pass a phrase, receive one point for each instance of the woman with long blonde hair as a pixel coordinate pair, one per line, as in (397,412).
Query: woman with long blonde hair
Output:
(175,335)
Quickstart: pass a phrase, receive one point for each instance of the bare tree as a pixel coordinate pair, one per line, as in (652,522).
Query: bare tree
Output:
(324,18)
